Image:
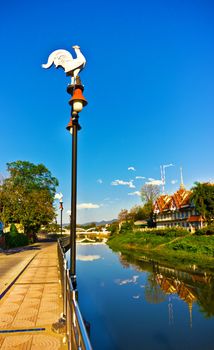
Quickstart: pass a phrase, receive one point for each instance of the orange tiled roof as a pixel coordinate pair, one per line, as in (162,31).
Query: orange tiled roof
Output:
(195,218)
(177,200)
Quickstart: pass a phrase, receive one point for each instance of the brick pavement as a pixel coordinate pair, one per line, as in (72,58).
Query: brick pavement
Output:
(12,263)
(32,305)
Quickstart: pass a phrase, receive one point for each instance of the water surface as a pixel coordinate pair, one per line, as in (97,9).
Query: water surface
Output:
(143,305)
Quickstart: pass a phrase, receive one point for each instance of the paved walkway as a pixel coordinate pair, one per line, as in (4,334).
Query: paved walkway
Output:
(33,303)
(13,262)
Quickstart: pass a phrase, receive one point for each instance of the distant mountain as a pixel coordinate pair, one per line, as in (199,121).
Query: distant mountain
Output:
(97,223)
(100,223)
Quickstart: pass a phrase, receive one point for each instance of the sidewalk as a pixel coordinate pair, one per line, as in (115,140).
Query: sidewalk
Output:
(12,262)
(33,303)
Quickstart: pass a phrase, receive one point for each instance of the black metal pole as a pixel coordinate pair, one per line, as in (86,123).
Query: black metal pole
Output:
(61,219)
(73,200)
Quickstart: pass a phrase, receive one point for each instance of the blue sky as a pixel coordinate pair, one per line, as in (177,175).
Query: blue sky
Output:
(149,81)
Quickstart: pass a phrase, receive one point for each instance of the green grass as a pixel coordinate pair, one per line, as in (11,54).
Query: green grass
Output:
(195,244)
(172,247)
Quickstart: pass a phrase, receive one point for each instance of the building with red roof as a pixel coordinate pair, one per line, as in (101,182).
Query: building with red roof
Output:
(177,210)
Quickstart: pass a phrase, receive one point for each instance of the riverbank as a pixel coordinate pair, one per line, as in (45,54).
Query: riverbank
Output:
(171,247)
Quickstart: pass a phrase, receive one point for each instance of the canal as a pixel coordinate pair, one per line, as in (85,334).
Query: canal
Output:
(141,304)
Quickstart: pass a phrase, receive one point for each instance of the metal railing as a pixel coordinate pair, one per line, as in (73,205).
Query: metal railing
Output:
(76,332)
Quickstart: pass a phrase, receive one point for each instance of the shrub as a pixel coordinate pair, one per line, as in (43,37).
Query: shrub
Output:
(114,228)
(208,231)
(126,227)
(168,232)
(13,230)
(15,240)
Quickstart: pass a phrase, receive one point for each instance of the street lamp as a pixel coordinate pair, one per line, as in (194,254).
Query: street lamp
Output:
(59,196)
(72,67)
(61,210)
(77,102)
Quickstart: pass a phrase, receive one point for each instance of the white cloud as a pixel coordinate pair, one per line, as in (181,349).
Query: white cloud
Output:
(140,177)
(123,183)
(99,181)
(151,179)
(131,168)
(154,182)
(87,206)
(136,193)
(174,182)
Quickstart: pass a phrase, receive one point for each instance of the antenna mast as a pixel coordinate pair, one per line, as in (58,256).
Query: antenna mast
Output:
(163,175)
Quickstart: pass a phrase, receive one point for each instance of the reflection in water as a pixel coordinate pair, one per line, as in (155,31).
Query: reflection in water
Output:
(127,281)
(153,292)
(88,257)
(141,304)
(189,287)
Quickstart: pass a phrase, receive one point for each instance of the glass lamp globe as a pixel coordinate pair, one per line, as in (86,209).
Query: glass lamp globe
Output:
(77,106)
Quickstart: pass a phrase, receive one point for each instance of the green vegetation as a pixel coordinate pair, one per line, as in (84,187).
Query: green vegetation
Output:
(203,199)
(209,230)
(26,197)
(149,194)
(113,228)
(172,246)
(13,230)
(15,239)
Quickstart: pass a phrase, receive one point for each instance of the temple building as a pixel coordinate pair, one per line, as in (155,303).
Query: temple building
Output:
(177,210)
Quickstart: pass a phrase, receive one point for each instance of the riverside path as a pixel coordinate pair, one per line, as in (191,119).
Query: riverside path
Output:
(30,299)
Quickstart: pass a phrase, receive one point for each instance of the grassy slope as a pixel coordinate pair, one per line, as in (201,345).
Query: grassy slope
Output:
(172,248)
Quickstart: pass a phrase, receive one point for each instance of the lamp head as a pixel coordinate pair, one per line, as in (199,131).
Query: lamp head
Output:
(78,101)
(69,127)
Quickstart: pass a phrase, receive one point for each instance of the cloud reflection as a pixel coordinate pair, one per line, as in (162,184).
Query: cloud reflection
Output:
(88,257)
(136,296)
(127,281)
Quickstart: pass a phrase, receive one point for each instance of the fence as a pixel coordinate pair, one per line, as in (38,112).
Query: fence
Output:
(76,332)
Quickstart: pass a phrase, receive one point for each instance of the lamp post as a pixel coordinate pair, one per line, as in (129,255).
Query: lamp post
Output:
(77,102)
(61,210)
(72,67)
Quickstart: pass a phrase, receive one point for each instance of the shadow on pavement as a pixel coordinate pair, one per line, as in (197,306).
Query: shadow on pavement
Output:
(21,249)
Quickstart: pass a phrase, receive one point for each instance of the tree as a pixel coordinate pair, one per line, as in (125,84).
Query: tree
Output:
(139,212)
(31,176)
(27,196)
(114,228)
(203,199)
(149,194)
(123,215)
